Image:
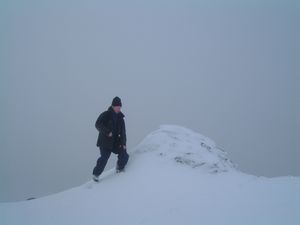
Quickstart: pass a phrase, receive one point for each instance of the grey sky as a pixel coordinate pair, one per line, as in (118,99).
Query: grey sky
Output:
(227,70)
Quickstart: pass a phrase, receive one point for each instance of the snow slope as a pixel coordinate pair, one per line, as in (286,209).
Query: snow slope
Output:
(174,176)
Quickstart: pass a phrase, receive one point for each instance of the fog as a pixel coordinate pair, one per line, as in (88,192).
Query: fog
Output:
(229,71)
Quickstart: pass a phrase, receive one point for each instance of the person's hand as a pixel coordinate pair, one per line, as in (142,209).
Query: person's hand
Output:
(110,134)
(124,146)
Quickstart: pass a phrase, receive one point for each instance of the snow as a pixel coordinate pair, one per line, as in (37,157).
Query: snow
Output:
(175,176)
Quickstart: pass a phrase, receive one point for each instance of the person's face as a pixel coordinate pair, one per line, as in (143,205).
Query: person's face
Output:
(117,109)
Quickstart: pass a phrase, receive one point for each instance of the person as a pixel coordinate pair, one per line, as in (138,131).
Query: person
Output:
(111,138)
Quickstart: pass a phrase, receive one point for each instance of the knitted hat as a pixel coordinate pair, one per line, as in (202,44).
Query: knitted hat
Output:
(116,101)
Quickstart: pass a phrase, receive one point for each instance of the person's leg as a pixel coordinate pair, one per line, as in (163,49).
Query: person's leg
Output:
(123,157)
(102,161)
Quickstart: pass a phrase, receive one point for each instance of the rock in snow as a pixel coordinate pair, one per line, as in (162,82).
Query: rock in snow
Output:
(184,146)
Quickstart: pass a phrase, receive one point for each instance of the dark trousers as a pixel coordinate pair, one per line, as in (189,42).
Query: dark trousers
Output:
(102,160)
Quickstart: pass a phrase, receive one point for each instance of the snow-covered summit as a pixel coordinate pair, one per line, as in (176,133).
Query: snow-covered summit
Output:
(170,179)
(185,146)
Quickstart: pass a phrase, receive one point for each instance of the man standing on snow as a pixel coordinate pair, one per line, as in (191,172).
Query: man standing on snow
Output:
(111,138)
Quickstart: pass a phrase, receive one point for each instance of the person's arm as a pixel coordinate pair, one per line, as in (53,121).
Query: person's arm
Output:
(100,124)
(124,134)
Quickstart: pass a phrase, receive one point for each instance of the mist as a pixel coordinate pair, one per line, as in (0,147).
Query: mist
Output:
(229,71)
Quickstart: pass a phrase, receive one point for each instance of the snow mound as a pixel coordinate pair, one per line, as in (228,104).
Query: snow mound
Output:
(163,184)
(184,146)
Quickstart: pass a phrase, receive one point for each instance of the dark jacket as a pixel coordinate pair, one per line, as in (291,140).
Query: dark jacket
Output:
(104,125)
